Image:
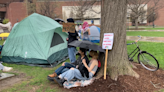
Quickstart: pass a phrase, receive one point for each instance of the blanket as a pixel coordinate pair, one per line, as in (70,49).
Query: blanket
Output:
(82,83)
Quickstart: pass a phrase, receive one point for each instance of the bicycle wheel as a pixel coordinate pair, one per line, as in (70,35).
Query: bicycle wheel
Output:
(148,61)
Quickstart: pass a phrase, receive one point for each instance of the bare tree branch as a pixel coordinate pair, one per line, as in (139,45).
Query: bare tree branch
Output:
(81,7)
(138,9)
(46,8)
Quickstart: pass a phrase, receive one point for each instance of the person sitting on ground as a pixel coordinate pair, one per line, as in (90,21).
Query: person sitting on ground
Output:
(91,68)
(66,66)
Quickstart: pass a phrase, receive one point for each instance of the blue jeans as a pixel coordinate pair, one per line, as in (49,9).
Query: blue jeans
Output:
(64,68)
(79,33)
(70,74)
(86,39)
(72,54)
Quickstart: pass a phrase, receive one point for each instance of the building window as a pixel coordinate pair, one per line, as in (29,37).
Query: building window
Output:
(2,5)
(21,0)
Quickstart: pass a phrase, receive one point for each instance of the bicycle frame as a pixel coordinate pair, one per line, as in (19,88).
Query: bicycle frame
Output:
(137,49)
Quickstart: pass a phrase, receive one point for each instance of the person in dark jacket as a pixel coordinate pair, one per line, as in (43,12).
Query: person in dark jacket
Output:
(72,37)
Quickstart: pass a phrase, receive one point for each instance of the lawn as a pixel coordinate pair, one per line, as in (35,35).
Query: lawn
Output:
(145,33)
(39,75)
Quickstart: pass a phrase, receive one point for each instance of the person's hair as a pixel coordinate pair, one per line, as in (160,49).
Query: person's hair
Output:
(94,54)
(70,20)
(83,50)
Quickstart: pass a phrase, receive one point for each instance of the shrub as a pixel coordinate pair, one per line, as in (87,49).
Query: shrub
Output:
(5,21)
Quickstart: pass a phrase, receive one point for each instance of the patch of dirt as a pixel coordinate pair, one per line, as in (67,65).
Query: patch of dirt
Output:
(148,82)
(6,83)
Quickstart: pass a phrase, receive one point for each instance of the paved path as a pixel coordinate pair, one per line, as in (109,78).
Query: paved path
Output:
(149,39)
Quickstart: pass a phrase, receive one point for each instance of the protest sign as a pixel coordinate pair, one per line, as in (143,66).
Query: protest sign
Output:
(69,27)
(107,44)
(108,41)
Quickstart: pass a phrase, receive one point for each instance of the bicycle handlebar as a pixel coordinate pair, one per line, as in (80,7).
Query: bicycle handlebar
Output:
(135,41)
(139,38)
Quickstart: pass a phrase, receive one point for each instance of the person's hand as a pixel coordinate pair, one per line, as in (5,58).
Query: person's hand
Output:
(77,66)
(63,64)
(67,39)
(72,68)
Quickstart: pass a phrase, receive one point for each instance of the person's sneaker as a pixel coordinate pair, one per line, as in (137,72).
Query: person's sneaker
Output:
(50,78)
(59,81)
(56,78)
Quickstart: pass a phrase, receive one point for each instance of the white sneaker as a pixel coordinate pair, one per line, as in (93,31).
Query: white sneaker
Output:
(6,69)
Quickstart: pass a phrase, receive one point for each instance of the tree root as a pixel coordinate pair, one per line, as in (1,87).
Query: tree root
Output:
(128,71)
(155,85)
(133,66)
(112,84)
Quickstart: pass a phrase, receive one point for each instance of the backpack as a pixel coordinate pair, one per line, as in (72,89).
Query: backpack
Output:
(99,63)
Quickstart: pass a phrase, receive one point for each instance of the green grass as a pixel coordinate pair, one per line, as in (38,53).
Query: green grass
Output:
(37,76)
(145,33)
(1,42)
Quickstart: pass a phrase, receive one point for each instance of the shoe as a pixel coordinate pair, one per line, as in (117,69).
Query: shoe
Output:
(56,78)
(52,75)
(50,78)
(59,81)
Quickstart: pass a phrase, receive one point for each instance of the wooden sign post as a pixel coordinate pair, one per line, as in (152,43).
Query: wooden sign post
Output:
(106,56)
(107,44)
(69,27)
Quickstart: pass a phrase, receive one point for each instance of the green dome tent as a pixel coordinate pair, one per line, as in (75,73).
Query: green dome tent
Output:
(36,40)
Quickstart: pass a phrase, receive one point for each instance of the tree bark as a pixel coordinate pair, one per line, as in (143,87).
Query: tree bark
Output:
(136,23)
(113,19)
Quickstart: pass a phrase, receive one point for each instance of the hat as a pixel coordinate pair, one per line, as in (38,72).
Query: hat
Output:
(70,20)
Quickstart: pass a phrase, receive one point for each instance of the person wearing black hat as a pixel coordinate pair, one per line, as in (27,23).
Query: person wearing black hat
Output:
(72,37)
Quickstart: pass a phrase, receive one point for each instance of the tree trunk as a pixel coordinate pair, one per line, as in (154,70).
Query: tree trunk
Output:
(113,19)
(136,23)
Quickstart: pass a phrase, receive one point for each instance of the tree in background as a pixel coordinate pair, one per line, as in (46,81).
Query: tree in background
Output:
(30,6)
(113,20)
(47,8)
(138,11)
(152,17)
(81,8)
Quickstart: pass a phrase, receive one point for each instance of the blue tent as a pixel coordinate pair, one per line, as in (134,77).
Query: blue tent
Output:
(95,34)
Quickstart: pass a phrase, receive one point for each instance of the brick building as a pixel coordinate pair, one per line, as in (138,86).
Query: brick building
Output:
(16,11)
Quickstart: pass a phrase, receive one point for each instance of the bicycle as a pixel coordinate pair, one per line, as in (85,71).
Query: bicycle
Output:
(147,60)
